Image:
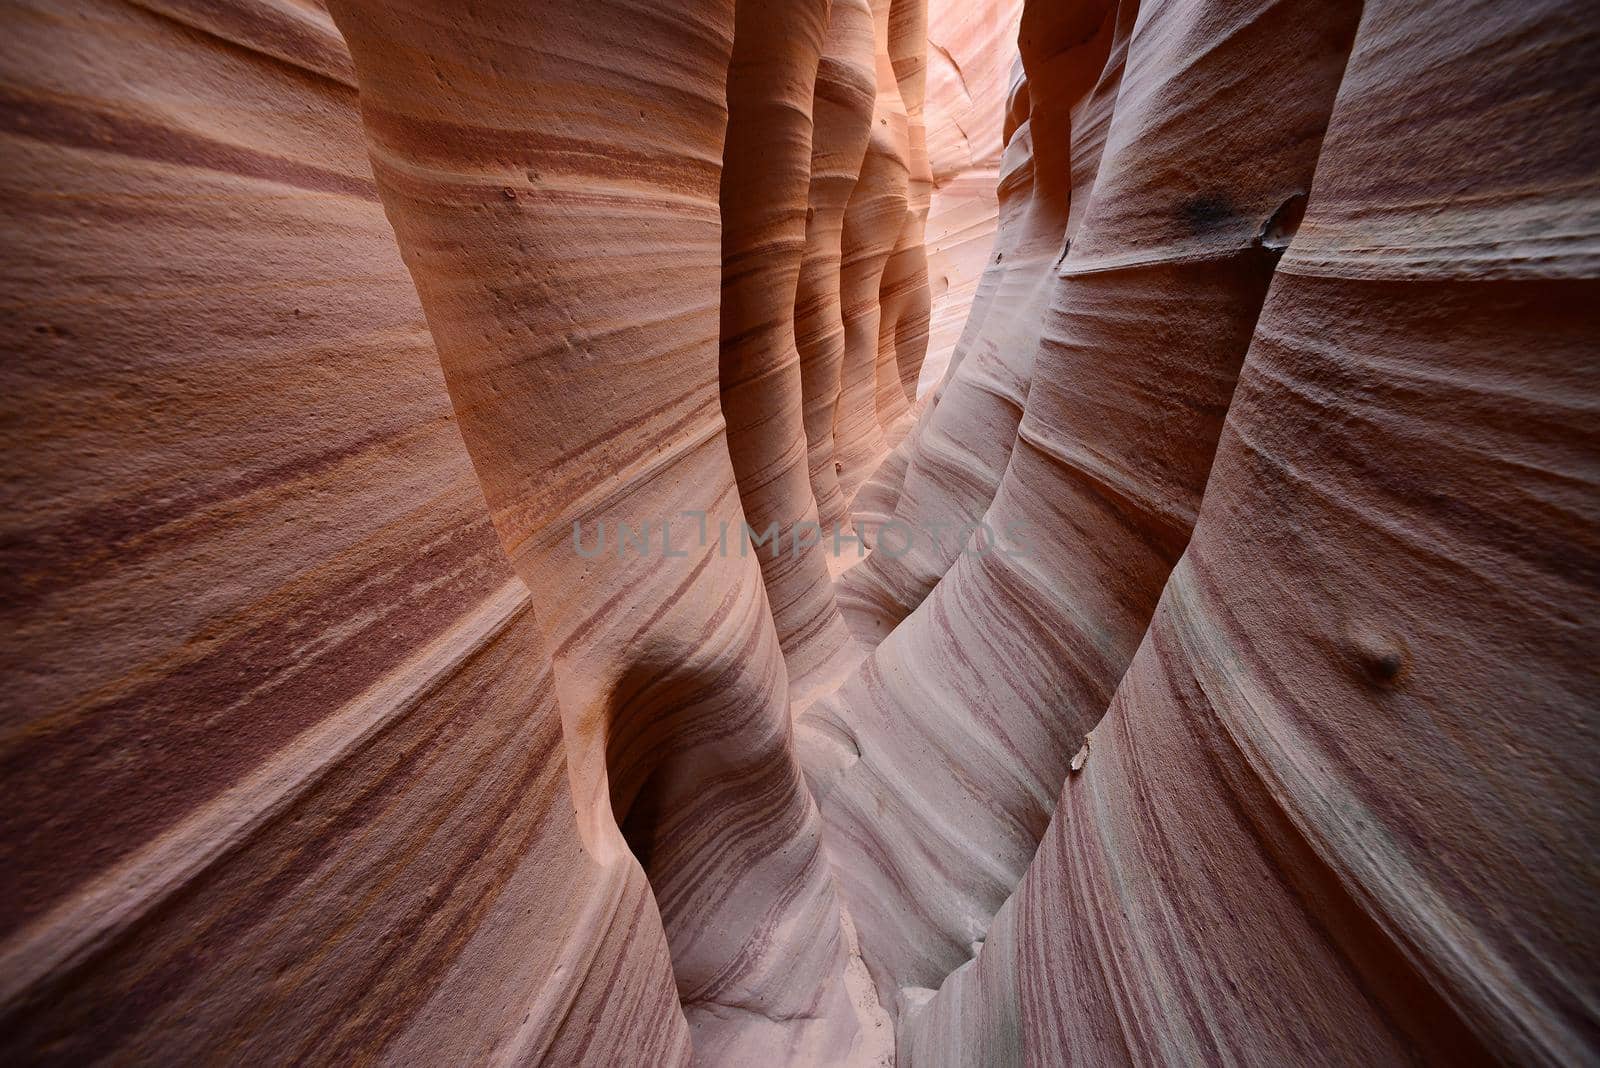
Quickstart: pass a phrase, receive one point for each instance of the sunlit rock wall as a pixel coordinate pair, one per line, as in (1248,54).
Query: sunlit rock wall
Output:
(971,51)
(283,760)
(398,666)
(1290,789)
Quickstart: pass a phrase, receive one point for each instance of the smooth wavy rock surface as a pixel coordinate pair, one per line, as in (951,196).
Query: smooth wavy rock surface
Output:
(965,727)
(766,184)
(444,445)
(971,51)
(283,761)
(667,660)
(957,453)
(873,220)
(903,291)
(843,103)
(1336,809)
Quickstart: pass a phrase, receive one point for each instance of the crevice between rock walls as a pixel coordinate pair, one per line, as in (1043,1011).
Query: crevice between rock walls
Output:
(397,669)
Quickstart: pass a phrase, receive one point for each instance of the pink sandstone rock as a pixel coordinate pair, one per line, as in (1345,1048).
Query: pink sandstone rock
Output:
(566,247)
(1335,811)
(283,761)
(958,452)
(960,725)
(842,104)
(766,180)
(903,337)
(392,675)
(873,221)
(903,292)
(972,49)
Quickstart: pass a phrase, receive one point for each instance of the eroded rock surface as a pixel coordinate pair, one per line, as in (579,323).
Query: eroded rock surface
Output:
(427,639)
(1297,818)
(1147,320)
(572,280)
(842,105)
(283,751)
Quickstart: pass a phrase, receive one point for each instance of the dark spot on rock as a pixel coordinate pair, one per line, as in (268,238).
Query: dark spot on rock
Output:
(1386,666)
(1279,230)
(509,193)
(1066,248)
(1204,213)
(1382,658)
(810,214)
(997,256)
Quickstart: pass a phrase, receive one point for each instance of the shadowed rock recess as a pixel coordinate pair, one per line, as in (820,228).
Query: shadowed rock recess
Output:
(800,532)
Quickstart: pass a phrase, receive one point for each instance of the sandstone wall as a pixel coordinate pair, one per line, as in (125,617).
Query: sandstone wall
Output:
(397,404)
(972,49)
(283,757)
(1289,833)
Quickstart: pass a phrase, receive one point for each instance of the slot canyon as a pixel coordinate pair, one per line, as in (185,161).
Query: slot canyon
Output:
(801,532)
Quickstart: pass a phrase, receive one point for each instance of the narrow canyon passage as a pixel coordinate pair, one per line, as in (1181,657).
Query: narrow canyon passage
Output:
(801,532)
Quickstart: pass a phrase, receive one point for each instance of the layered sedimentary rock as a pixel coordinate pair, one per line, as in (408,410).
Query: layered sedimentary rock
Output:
(976,41)
(972,49)
(391,672)
(766,183)
(958,451)
(903,293)
(1330,813)
(873,221)
(842,107)
(903,289)
(566,246)
(961,727)
(283,764)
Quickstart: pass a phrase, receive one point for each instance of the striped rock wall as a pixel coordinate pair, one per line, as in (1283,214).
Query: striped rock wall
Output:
(391,674)
(283,752)
(958,450)
(317,681)
(1107,454)
(903,293)
(764,198)
(1291,761)
(874,218)
(842,105)
(972,49)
